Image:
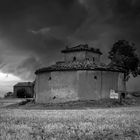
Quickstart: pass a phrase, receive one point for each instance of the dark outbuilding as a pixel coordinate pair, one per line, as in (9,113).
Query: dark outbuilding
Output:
(24,90)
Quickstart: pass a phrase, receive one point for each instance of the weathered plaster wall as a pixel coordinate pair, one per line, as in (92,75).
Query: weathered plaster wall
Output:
(121,83)
(42,88)
(69,56)
(82,55)
(91,56)
(109,81)
(94,85)
(62,86)
(89,86)
(56,87)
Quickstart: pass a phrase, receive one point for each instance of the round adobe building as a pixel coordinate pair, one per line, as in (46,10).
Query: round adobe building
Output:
(80,76)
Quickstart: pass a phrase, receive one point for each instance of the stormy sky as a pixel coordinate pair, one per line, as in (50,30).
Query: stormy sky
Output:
(32,32)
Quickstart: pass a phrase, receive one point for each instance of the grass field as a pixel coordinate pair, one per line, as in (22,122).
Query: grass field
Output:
(121,123)
(6,102)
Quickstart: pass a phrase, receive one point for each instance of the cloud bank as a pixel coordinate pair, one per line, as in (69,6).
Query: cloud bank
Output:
(33,32)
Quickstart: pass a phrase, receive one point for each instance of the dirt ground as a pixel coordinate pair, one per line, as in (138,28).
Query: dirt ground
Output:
(104,103)
(8,102)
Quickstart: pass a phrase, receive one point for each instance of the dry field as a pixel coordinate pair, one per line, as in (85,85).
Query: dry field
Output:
(90,124)
(6,102)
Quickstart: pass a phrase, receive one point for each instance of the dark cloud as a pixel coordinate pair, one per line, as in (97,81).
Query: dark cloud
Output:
(24,25)
(28,66)
(35,31)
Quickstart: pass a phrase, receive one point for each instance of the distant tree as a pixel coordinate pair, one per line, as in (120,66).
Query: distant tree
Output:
(123,54)
(8,95)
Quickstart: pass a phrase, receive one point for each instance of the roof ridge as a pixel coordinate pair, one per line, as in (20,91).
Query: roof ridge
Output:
(81,47)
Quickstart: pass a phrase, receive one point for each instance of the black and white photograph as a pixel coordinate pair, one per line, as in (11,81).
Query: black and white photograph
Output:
(69,69)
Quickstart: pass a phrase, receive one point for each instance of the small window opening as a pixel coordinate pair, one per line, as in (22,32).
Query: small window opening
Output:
(74,58)
(95,77)
(50,78)
(123,95)
(54,97)
(93,59)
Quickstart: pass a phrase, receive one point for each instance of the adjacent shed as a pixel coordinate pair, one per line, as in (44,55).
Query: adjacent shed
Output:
(24,89)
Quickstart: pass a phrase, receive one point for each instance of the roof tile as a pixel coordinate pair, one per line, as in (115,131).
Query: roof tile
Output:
(78,65)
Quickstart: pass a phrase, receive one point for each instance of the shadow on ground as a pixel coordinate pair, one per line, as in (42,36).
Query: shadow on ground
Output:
(104,103)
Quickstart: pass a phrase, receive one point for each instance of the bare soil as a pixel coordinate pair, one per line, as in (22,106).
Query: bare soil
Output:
(104,103)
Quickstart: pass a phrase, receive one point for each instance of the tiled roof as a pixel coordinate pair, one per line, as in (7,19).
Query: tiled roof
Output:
(81,47)
(77,65)
(22,84)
